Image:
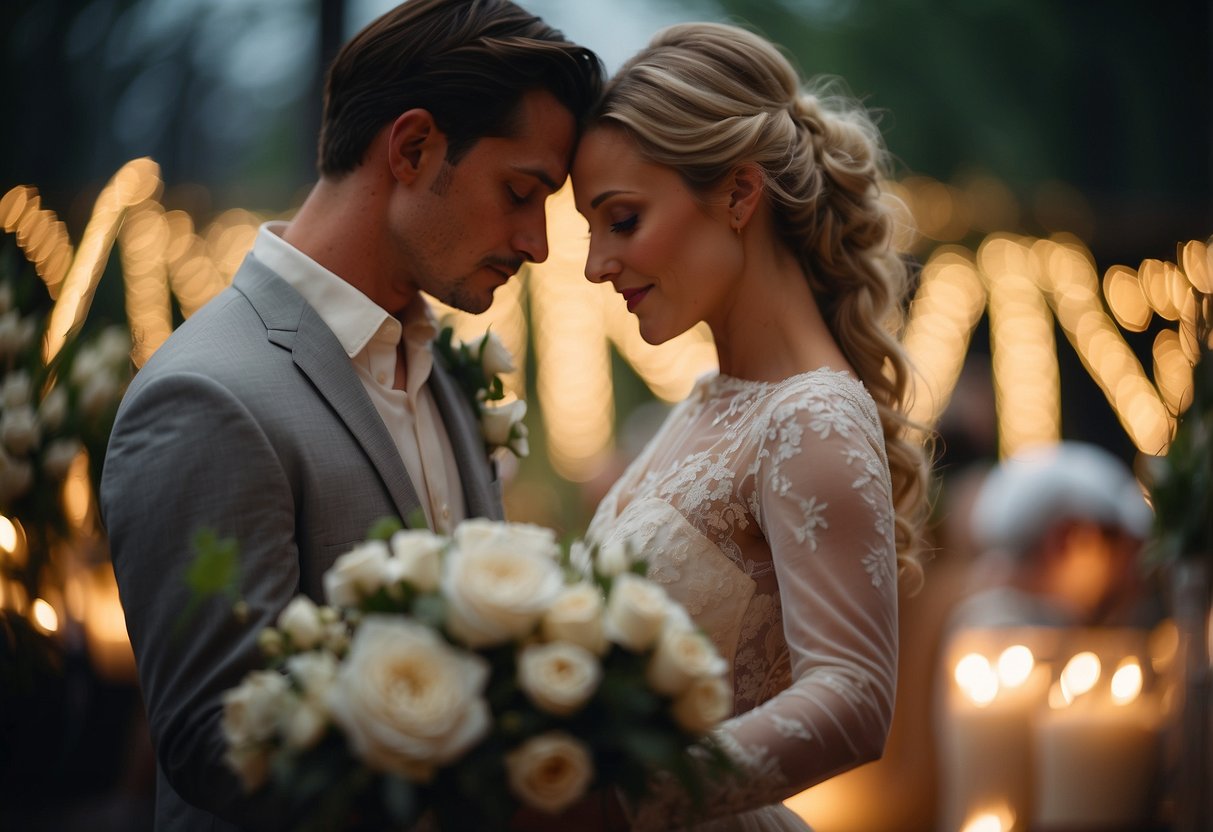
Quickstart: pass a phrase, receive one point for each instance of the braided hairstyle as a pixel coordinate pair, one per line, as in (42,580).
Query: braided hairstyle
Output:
(703,98)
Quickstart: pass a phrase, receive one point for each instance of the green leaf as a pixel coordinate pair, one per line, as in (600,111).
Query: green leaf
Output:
(385,527)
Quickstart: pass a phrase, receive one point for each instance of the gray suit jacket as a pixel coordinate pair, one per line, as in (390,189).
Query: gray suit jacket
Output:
(249,420)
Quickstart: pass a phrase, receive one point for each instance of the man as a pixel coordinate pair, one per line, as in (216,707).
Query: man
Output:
(303,403)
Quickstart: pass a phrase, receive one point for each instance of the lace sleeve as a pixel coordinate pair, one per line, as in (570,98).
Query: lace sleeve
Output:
(821,496)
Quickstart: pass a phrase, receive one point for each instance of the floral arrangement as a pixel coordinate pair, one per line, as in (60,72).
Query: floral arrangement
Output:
(477,367)
(463,678)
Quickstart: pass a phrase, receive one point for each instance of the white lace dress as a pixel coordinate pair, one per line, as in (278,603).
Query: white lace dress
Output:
(765,509)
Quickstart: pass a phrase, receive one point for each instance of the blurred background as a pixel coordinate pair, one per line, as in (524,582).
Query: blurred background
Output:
(1063,143)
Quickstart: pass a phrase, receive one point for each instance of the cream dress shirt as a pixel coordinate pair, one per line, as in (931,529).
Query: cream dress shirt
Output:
(370,337)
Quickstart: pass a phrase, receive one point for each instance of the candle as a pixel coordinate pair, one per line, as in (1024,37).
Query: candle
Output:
(1096,749)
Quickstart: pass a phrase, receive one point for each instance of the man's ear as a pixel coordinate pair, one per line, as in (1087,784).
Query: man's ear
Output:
(745,186)
(414,145)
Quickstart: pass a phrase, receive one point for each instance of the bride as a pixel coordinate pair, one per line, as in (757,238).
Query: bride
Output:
(781,501)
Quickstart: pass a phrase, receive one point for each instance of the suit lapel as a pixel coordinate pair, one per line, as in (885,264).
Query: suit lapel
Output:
(292,324)
(463,428)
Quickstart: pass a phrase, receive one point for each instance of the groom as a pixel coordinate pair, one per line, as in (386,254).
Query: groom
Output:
(303,403)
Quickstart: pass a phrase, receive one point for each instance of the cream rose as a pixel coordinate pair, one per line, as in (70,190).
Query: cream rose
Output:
(303,723)
(703,705)
(360,572)
(613,559)
(408,701)
(576,617)
(479,534)
(417,558)
(496,591)
(315,672)
(250,710)
(635,612)
(550,772)
(494,358)
(682,655)
(497,422)
(558,677)
(300,621)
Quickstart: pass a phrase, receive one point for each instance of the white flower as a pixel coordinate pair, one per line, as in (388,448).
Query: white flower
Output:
(494,358)
(360,572)
(251,763)
(314,672)
(417,558)
(498,588)
(303,723)
(550,772)
(703,705)
(114,347)
(250,710)
(98,393)
(498,422)
(87,365)
(301,622)
(636,612)
(558,677)
(488,535)
(53,409)
(16,390)
(576,616)
(407,700)
(59,456)
(613,559)
(20,430)
(681,657)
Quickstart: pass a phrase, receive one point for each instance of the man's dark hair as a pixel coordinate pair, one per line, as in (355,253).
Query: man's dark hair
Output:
(468,62)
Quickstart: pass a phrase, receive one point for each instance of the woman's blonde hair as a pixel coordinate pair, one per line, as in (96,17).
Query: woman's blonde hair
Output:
(702,99)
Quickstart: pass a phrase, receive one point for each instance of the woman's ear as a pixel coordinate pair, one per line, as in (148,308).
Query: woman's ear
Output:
(746,184)
(414,145)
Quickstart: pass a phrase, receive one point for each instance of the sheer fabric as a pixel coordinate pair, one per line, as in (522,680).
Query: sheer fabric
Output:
(765,509)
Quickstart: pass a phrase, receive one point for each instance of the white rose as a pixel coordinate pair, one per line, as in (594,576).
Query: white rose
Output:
(53,409)
(303,723)
(301,622)
(16,390)
(87,365)
(636,612)
(59,456)
(494,358)
(496,591)
(613,559)
(558,677)
(479,533)
(114,347)
(550,772)
(360,572)
(250,710)
(704,705)
(314,671)
(576,616)
(417,555)
(682,656)
(20,430)
(407,700)
(497,422)
(251,763)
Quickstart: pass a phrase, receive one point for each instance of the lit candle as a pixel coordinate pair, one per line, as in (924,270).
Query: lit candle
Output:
(1096,749)
(986,737)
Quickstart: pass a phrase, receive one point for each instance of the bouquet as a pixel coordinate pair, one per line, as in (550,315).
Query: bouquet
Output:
(459,679)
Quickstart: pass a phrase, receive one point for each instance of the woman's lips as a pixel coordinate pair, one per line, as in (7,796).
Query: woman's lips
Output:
(634,296)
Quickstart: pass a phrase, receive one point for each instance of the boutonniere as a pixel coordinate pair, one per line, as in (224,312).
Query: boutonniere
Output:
(477,367)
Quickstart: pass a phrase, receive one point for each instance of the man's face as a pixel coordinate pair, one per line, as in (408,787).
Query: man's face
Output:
(480,219)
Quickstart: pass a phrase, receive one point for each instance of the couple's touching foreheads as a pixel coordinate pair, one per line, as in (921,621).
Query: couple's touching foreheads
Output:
(780,503)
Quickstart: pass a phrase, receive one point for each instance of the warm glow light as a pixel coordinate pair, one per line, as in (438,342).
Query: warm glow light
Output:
(977,679)
(985,822)
(1080,674)
(78,491)
(1126,682)
(1164,645)
(1015,665)
(45,616)
(8,535)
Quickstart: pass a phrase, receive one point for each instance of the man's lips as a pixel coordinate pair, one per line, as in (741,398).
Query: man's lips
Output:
(633,297)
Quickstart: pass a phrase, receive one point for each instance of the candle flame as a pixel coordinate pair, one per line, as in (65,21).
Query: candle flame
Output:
(45,616)
(977,678)
(1080,674)
(998,820)
(1126,681)
(1015,665)
(8,535)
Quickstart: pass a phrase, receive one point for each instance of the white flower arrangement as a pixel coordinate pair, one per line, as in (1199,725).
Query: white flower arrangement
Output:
(469,676)
(478,367)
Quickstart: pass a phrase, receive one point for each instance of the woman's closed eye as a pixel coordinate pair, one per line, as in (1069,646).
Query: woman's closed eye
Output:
(625,225)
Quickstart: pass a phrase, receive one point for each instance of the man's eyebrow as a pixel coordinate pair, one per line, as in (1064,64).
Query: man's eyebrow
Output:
(604,196)
(542,176)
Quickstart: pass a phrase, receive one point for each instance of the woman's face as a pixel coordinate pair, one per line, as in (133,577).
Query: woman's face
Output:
(670,252)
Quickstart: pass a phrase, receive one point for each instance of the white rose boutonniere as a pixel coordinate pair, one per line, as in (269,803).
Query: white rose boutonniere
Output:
(477,367)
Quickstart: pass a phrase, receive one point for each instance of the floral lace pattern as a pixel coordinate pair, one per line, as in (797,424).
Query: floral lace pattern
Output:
(765,508)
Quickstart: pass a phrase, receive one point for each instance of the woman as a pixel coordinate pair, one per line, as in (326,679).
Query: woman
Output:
(782,499)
